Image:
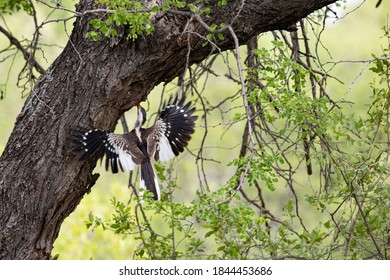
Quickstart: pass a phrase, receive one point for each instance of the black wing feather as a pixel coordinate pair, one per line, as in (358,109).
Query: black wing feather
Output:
(180,123)
(95,142)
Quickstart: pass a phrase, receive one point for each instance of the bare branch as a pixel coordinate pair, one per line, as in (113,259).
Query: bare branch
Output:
(27,55)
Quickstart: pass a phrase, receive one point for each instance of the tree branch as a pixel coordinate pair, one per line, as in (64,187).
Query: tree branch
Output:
(26,54)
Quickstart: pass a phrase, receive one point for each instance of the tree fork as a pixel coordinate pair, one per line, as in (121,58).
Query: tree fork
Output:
(91,84)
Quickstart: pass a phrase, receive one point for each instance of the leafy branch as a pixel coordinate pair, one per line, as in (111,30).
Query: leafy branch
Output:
(287,101)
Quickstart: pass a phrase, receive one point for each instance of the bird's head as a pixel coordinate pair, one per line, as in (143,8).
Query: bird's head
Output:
(141,116)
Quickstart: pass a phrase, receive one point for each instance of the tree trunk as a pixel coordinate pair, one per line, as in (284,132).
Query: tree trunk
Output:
(91,84)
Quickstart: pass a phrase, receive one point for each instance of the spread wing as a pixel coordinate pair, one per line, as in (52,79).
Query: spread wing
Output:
(120,150)
(172,131)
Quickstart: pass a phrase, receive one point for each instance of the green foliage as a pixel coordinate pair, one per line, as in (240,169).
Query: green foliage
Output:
(131,14)
(379,109)
(255,167)
(11,6)
(134,15)
(349,207)
(234,226)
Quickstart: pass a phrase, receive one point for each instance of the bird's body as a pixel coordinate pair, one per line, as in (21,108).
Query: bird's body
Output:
(162,141)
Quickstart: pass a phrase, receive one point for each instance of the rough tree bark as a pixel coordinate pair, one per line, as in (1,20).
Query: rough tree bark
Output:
(93,84)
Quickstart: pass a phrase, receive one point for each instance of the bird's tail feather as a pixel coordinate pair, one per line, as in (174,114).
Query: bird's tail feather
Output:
(149,179)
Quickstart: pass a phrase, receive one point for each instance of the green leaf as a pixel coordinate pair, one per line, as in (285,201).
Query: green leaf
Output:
(211,232)
(192,7)
(96,23)
(205,10)
(221,37)
(155,9)
(213,27)
(222,3)
(113,33)
(289,206)
(93,35)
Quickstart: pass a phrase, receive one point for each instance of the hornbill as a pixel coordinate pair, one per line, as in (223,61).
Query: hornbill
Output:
(162,141)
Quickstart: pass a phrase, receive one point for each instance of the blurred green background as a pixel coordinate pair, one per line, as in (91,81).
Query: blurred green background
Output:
(352,37)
